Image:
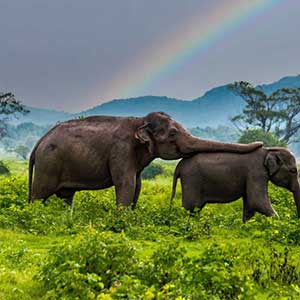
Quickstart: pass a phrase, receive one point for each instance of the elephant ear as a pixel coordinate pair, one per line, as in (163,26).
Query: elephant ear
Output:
(143,135)
(272,162)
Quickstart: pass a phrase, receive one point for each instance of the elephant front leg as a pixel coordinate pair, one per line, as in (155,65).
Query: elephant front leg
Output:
(124,180)
(248,212)
(124,174)
(125,190)
(258,200)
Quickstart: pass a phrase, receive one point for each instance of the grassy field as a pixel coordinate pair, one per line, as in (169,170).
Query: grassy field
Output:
(99,252)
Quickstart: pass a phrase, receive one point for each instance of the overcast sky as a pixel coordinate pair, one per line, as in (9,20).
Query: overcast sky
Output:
(63,54)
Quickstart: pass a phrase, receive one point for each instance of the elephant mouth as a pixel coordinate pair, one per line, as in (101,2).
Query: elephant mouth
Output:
(187,155)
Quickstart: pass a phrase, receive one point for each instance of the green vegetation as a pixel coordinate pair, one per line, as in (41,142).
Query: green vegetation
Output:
(221,133)
(277,112)
(24,135)
(3,169)
(9,106)
(152,171)
(22,151)
(99,252)
(255,134)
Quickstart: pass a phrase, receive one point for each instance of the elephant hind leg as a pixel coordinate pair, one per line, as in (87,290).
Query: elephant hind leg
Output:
(66,194)
(190,196)
(43,187)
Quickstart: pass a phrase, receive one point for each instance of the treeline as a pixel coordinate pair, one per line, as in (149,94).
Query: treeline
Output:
(221,133)
(27,134)
(20,139)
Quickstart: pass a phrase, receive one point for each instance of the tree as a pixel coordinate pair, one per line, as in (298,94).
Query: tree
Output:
(152,171)
(277,112)
(9,106)
(259,109)
(289,102)
(22,151)
(255,134)
(221,133)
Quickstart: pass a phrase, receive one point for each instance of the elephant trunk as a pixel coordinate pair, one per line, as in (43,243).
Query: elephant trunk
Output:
(296,193)
(193,144)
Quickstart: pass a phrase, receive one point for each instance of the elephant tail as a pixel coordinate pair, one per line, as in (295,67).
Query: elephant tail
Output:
(32,162)
(175,178)
(30,172)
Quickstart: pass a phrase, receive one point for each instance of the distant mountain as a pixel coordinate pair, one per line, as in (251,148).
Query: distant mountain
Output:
(288,81)
(137,106)
(203,111)
(212,109)
(42,116)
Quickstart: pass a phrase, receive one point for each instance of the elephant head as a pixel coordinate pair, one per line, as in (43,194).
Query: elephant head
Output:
(282,170)
(167,139)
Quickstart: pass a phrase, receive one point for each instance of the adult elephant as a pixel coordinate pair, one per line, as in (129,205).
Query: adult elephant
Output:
(102,151)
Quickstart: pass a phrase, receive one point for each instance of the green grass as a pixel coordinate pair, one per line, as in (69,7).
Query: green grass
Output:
(228,259)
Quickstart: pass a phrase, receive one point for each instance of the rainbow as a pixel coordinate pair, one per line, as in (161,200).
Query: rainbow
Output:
(193,39)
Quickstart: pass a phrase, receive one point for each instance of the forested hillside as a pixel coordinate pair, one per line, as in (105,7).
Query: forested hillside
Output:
(212,109)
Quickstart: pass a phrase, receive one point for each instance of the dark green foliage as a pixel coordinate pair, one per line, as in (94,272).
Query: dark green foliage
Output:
(289,109)
(3,169)
(100,264)
(277,112)
(221,133)
(25,134)
(9,106)
(22,151)
(100,252)
(152,171)
(255,134)
(89,264)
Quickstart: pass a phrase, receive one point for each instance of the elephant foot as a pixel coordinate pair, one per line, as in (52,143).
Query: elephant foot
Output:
(247,215)
(268,211)
(271,212)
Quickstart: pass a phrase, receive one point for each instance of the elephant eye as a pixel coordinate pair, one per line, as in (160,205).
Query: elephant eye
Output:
(173,132)
(293,170)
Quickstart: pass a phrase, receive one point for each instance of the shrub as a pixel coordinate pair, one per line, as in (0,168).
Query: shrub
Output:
(152,171)
(3,169)
(252,135)
(84,268)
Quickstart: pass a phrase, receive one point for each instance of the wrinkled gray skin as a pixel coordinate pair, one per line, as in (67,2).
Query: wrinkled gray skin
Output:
(225,177)
(102,151)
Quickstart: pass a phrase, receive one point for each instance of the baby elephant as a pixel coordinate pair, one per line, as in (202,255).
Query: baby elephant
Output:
(225,177)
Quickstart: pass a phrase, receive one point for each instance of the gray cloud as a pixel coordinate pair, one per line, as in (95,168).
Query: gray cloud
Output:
(62,53)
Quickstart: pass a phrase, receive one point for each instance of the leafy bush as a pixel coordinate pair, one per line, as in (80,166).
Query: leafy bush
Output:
(3,169)
(152,252)
(97,264)
(252,135)
(87,266)
(152,171)
(106,266)
(13,191)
